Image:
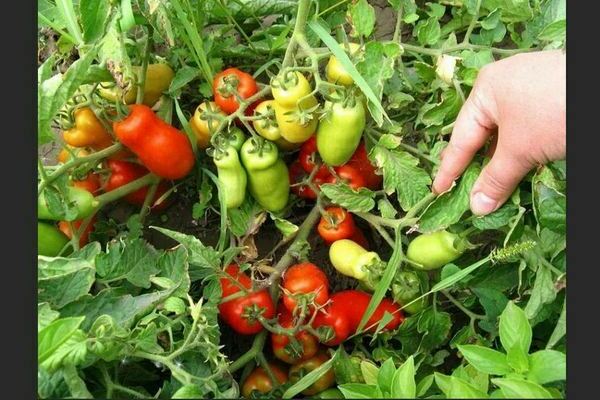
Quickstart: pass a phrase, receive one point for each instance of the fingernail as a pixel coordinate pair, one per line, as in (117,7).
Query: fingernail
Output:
(481,204)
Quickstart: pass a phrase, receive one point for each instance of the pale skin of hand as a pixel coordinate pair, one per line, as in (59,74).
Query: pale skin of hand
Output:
(519,103)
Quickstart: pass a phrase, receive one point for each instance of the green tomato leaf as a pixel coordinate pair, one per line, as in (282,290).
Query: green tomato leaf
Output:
(402,175)
(124,308)
(71,353)
(385,376)
(202,259)
(55,334)
(93,15)
(515,329)
(444,111)
(54,92)
(284,226)
(498,219)
(362,17)
(435,328)
(543,291)
(370,372)
(173,264)
(486,360)
(547,366)
(492,300)
(359,391)
(182,78)
(521,389)
(448,208)
(64,280)
(428,32)
(76,384)
(403,382)
(352,200)
(560,329)
(45,315)
(133,260)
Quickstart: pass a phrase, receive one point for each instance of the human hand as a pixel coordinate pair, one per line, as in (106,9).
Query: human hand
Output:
(520,102)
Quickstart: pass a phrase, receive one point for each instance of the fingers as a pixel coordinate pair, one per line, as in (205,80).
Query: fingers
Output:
(472,128)
(497,181)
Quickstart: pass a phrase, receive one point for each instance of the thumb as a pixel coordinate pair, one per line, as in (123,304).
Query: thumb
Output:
(497,182)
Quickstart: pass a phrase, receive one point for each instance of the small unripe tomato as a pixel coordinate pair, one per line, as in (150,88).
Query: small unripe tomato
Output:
(335,71)
(436,249)
(204,127)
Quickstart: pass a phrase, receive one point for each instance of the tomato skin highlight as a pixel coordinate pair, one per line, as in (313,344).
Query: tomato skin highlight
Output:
(305,278)
(436,249)
(241,82)
(163,149)
(309,343)
(259,380)
(302,368)
(232,311)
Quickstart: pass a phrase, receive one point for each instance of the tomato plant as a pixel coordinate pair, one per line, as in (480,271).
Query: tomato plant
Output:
(232,187)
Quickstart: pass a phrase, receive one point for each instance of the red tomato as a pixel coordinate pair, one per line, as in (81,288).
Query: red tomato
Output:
(359,302)
(124,172)
(361,161)
(307,157)
(233,311)
(302,279)
(350,175)
(91,183)
(279,343)
(227,82)
(297,174)
(337,318)
(85,236)
(338,224)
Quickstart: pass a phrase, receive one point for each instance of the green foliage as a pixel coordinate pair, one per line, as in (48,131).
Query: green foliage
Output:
(127,317)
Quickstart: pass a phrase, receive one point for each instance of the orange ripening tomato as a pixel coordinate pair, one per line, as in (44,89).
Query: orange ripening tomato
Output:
(163,149)
(85,236)
(338,224)
(260,381)
(91,183)
(88,131)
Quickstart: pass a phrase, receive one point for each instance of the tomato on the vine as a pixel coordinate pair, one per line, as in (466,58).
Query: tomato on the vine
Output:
(337,319)
(360,161)
(237,312)
(230,84)
(91,182)
(305,346)
(337,224)
(436,249)
(266,127)
(335,71)
(85,235)
(327,380)
(355,302)
(260,381)
(205,121)
(350,175)
(307,158)
(288,88)
(304,279)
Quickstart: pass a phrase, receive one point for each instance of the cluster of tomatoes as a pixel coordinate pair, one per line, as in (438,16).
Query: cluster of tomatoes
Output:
(307,314)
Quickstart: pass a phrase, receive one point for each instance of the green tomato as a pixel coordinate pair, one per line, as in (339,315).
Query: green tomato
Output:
(335,71)
(339,133)
(232,176)
(405,288)
(434,250)
(268,179)
(350,259)
(50,239)
(84,202)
